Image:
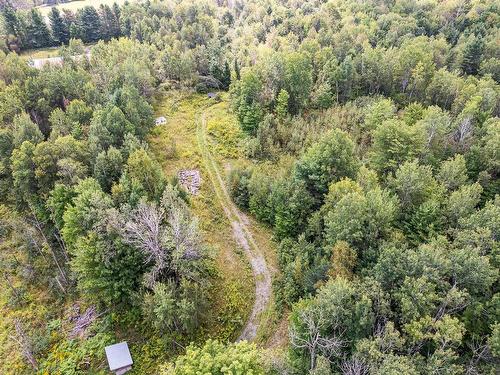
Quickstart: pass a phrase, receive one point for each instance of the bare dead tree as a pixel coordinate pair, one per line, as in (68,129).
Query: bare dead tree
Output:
(14,290)
(184,230)
(354,366)
(83,321)
(480,353)
(24,342)
(144,231)
(61,279)
(166,234)
(464,131)
(313,341)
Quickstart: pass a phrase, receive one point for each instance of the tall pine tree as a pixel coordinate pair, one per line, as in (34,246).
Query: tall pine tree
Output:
(473,54)
(110,27)
(60,30)
(37,32)
(14,28)
(89,24)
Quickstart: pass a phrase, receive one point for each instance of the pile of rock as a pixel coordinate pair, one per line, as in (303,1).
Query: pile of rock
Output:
(190,180)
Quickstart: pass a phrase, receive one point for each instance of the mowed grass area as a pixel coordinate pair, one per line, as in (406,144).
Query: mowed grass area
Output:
(175,146)
(224,139)
(39,53)
(75,5)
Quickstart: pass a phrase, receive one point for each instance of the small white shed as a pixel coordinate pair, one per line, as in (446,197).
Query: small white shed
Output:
(119,358)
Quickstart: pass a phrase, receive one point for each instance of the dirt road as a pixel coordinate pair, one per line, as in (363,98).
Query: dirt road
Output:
(242,234)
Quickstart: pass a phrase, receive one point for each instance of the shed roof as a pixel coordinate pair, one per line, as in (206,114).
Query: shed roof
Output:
(118,356)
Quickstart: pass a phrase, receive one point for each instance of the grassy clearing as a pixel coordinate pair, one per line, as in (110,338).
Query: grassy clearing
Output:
(75,5)
(225,137)
(39,53)
(175,146)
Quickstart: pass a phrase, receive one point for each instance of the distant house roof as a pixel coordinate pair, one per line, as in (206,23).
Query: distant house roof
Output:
(118,356)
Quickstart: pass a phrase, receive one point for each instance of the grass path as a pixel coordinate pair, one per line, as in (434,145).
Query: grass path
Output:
(203,134)
(242,235)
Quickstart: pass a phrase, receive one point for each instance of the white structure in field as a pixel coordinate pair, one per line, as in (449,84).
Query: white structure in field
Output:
(119,358)
(160,121)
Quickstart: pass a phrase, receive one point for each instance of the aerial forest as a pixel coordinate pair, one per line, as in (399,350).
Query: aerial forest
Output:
(344,217)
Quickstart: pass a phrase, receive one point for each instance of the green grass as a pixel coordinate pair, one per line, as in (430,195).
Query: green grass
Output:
(175,146)
(75,5)
(225,142)
(39,53)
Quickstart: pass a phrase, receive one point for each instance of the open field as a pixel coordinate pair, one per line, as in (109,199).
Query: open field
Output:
(175,145)
(39,53)
(75,5)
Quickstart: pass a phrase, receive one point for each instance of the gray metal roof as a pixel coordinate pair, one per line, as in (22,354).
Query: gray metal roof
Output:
(118,356)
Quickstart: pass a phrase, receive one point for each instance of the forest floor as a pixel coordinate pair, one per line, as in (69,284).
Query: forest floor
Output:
(202,134)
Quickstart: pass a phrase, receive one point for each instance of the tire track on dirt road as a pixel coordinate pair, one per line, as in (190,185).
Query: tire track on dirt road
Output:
(243,236)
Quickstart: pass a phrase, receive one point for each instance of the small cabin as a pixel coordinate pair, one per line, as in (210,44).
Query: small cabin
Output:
(160,121)
(119,358)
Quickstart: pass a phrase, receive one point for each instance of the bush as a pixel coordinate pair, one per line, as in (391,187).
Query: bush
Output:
(218,359)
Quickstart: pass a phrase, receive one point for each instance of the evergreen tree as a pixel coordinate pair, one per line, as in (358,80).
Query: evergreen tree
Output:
(473,54)
(117,12)
(12,23)
(116,21)
(37,32)
(237,70)
(226,76)
(13,27)
(60,30)
(89,24)
(108,22)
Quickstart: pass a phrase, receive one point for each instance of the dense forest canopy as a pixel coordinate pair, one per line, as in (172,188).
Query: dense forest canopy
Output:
(371,139)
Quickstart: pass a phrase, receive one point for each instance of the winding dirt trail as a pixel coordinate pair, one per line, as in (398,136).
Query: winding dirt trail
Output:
(242,234)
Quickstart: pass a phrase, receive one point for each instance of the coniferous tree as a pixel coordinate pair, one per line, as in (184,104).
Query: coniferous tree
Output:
(237,69)
(226,76)
(106,16)
(89,24)
(11,21)
(60,30)
(473,54)
(116,20)
(14,28)
(37,32)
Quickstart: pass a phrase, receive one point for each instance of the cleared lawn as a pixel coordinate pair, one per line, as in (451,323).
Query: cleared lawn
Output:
(75,5)
(175,146)
(39,53)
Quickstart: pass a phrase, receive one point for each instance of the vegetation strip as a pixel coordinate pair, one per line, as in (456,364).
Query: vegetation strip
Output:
(242,235)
